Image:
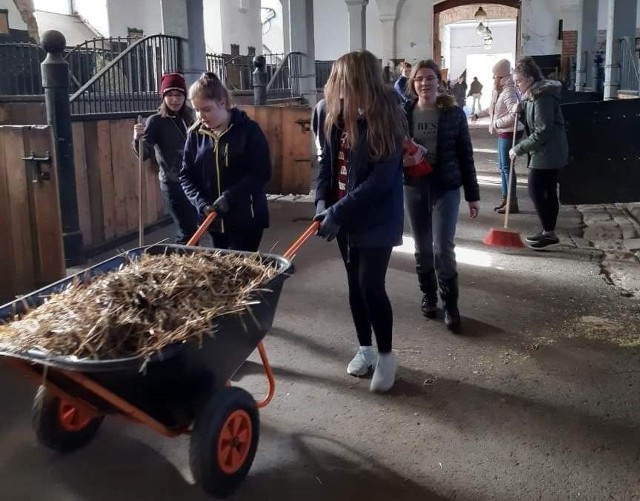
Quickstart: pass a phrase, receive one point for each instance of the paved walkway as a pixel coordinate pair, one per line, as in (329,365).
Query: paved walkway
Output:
(537,400)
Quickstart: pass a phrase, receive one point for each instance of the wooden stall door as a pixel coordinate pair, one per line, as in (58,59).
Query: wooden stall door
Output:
(32,252)
(288,133)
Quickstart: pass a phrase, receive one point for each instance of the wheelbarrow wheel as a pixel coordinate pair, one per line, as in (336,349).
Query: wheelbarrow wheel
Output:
(224,441)
(61,426)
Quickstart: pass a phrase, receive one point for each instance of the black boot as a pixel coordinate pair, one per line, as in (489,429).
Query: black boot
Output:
(449,294)
(429,288)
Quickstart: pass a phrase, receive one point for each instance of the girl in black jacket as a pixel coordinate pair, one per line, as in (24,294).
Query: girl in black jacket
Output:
(440,129)
(165,133)
(359,128)
(226,166)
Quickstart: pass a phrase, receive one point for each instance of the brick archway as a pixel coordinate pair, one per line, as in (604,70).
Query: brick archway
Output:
(496,9)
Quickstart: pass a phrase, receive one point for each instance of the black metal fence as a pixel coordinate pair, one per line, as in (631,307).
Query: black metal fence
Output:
(129,83)
(323,69)
(20,69)
(283,72)
(88,58)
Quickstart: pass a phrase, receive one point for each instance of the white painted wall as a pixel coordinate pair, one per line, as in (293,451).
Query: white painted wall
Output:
(94,12)
(241,25)
(414,31)
(374,29)
(229,22)
(145,15)
(212,26)
(540,27)
(15,21)
(274,37)
(331,28)
(58,6)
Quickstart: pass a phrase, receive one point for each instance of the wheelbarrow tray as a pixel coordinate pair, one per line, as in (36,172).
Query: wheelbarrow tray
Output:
(173,384)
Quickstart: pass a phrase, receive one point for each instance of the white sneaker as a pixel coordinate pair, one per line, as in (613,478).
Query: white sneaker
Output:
(364,360)
(385,373)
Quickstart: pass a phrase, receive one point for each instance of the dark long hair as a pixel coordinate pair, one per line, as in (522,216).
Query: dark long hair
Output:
(186,113)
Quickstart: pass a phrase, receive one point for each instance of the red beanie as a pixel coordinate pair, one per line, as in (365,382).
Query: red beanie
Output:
(172,81)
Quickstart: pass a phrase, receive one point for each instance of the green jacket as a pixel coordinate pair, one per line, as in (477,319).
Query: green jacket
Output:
(546,141)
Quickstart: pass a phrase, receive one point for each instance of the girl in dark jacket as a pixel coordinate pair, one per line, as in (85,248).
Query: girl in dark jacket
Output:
(226,166)
(440,128)
(546,146)
(359,129)
(165,134)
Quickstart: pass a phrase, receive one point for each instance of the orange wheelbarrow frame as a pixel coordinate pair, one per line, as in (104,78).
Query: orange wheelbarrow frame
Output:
(79,411)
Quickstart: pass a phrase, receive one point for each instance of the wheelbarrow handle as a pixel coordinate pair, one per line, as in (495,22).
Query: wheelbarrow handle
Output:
(202,229)
(311,230)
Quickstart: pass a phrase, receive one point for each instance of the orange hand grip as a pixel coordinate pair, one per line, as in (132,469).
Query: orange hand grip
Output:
(311,230)
(195,239)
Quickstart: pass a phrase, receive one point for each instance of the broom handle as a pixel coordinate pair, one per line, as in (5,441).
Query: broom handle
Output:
(140,187)
(202,229)
(311,230)
(512,162)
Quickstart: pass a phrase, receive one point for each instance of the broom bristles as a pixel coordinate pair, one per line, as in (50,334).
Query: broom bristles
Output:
(503,237)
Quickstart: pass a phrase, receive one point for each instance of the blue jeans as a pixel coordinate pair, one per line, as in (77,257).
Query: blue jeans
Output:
(433,215)
(504,164)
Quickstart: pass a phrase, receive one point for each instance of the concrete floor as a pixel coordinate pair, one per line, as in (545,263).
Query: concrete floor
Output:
(537,400)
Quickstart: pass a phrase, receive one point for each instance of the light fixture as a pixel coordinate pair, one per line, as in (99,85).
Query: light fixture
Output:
(487,32)
(480,15)
(480,30)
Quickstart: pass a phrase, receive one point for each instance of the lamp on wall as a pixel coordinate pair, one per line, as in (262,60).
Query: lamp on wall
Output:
(480,15)
(481,29)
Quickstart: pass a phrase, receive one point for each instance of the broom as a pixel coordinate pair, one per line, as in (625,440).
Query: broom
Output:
(140,188)
(504,237)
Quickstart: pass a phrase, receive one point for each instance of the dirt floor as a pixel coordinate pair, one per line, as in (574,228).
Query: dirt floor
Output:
(537,399)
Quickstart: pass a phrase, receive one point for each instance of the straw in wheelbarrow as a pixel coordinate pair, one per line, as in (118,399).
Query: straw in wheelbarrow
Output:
(140,308)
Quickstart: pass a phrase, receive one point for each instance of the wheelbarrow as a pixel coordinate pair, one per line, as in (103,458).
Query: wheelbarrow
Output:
(184,389)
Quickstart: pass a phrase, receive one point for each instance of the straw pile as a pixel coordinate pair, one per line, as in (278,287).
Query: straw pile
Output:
(140,308)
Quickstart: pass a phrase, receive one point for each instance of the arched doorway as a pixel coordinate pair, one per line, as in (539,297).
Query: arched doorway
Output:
(462,47)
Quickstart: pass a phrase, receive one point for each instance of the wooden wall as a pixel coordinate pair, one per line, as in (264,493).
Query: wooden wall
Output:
(107,182)
(32,253)
(14,111)
(289,135)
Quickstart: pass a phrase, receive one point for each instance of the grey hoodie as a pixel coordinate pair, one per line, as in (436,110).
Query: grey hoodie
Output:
(546,141)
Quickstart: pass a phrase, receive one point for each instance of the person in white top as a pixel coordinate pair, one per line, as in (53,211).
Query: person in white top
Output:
(503,100)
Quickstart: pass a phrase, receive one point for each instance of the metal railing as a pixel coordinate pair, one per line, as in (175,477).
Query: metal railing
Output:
(129,83)
(283,72)
(20,69)
(217,64)
(284,75)
(629,74)
(88,58)
(323,69)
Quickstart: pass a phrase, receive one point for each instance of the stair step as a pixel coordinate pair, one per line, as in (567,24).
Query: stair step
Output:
(628,94)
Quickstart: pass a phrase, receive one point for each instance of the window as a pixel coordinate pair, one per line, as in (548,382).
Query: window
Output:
(4,21)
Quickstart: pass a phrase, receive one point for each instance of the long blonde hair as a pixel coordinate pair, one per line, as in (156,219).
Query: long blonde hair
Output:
(356,89)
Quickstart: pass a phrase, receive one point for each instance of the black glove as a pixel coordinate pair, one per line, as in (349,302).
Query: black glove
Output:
(329,228)
(321,206)
(221,205)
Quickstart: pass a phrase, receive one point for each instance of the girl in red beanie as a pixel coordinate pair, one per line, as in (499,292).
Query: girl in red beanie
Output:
(164,134)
